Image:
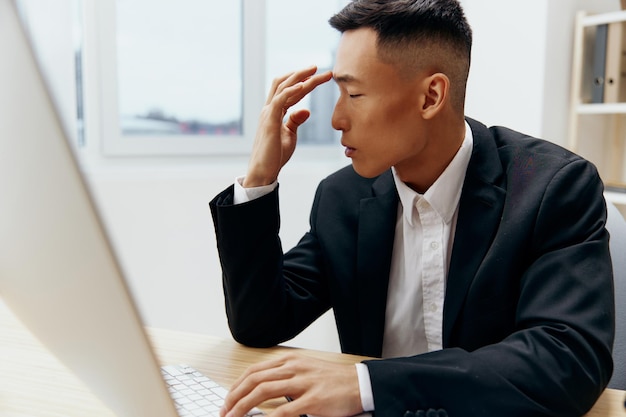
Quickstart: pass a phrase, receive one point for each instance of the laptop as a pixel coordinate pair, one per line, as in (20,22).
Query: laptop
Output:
(58,271)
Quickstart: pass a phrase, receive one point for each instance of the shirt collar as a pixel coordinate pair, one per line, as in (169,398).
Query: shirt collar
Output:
(445,193)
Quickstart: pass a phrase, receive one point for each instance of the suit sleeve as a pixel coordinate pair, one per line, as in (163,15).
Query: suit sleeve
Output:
(558,360)
(269,297)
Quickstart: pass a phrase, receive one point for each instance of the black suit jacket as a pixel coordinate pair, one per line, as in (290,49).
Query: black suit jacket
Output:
(528,312)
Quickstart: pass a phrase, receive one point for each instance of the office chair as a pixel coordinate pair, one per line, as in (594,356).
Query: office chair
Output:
(616,225)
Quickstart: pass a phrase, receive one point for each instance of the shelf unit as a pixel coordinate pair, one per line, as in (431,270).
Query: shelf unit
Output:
(597,131)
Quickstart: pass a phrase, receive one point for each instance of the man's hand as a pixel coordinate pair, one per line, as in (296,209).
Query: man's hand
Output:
(317,387)
(275,141)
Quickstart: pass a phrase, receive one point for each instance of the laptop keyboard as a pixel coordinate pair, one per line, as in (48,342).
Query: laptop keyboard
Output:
(194,393)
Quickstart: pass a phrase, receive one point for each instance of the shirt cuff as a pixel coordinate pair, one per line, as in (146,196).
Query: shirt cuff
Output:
(243,195)
(365,387)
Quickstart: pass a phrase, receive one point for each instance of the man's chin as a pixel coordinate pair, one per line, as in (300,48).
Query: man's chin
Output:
(368,172)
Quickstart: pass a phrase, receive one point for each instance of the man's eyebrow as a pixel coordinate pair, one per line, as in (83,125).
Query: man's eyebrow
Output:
(344,78)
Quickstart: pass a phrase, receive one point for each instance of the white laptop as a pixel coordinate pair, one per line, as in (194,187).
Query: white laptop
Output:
(58,271)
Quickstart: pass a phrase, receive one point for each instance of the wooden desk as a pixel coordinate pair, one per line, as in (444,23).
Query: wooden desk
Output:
(35,383)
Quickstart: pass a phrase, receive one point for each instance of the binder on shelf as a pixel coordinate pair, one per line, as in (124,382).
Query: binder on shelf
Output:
(599,64)
(615,67)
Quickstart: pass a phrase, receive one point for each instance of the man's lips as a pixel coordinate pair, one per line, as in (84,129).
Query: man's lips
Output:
(349,151)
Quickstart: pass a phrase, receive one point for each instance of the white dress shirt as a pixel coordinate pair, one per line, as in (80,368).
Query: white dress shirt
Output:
(421,255)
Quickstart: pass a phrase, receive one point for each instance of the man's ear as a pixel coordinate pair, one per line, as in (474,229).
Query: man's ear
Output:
(436,90)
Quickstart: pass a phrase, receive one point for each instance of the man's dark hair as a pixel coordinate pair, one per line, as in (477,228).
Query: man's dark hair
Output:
(416,34)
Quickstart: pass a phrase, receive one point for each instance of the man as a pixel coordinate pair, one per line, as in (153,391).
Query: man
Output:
(473,259)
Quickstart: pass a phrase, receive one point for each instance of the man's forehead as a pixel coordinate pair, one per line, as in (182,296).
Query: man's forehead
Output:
(356,53)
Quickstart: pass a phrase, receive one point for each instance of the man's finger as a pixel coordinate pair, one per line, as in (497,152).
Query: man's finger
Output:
(260,366)
(260,392)
(289,409)
(254,376)
(288,80)
(298,85)
(314,81)
(296,118)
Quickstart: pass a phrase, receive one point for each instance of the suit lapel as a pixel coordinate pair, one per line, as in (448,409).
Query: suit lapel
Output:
(480,209)
(481,204)
(377,218)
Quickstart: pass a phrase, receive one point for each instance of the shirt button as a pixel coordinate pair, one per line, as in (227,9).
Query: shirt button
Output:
(433,308)
(434,245)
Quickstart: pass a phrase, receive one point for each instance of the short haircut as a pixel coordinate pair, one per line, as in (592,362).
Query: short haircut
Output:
(416,35)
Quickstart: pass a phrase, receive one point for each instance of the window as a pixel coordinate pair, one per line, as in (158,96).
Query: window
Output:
(172,75)
(179,70)
(189,77)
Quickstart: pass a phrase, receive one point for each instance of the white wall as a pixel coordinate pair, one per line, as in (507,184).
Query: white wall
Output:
(506,76)
(157,211)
